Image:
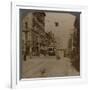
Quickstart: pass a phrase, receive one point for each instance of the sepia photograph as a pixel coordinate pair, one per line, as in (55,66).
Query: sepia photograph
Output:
(49,43)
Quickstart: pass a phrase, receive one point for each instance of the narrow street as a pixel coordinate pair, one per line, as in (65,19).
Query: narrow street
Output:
(47,66)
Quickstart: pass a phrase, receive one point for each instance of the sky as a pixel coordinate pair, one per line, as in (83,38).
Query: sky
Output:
(64,29)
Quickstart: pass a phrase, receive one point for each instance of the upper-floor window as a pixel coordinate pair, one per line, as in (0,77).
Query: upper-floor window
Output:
(26,25)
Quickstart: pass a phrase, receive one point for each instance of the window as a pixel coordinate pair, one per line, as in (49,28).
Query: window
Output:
(26,25)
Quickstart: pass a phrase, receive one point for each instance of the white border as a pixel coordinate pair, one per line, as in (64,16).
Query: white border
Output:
(15,82)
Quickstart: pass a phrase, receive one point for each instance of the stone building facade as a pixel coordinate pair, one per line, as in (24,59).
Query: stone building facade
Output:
(33,33)
(76,44)
(38,32)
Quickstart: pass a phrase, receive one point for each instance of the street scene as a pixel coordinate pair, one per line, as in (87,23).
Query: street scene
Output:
(49,44)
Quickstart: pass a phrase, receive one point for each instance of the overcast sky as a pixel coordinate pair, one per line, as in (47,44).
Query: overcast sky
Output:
(65,28)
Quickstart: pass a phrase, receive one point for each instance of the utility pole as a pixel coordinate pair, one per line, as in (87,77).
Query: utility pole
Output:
(26,44)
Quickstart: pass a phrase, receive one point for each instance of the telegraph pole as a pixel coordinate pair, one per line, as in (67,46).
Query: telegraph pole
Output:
(27,46)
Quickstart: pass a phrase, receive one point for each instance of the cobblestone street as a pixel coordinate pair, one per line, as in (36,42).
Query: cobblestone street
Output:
(47,66)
